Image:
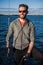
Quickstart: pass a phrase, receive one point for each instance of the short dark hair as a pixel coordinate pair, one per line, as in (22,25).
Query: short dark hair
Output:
(24,5)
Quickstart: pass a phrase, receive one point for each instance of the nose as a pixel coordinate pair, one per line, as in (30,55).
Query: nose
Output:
(22,13)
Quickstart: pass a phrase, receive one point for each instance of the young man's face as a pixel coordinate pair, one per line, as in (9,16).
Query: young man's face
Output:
(22,12)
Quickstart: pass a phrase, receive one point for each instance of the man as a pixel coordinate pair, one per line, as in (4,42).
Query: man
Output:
(23,31)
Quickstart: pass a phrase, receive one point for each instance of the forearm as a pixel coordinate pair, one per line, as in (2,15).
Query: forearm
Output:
(9,34)
(7,47)
(29,50)
(30,47)
(7,43)
(8,38)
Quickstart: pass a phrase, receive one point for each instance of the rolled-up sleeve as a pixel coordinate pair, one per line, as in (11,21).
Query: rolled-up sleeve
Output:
(32,32)
(10,30)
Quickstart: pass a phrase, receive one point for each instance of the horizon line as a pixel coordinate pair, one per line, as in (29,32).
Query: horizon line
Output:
(17,14)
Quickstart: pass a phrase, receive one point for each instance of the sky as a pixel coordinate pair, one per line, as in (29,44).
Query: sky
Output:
(15,3)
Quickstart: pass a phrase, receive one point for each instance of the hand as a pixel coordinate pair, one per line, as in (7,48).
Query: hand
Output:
(26,56)
(8,51)
(7,46)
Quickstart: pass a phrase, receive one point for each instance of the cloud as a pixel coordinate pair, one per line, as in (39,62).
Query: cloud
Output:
(32,11)
(37,11)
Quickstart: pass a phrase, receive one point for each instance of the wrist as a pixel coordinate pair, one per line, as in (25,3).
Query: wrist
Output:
(28,52)
(7,47)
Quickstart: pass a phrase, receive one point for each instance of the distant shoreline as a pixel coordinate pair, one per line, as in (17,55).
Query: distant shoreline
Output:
(17,14)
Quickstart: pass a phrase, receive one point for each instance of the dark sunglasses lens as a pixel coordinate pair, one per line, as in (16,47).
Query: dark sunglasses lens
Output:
(22,11)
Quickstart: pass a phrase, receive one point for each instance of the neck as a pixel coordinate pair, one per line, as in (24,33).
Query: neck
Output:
(22,20)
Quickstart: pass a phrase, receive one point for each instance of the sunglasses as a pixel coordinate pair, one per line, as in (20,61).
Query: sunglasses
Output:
(24,11)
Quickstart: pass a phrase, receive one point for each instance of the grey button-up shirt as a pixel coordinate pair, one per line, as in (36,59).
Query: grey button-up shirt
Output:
(22,35)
